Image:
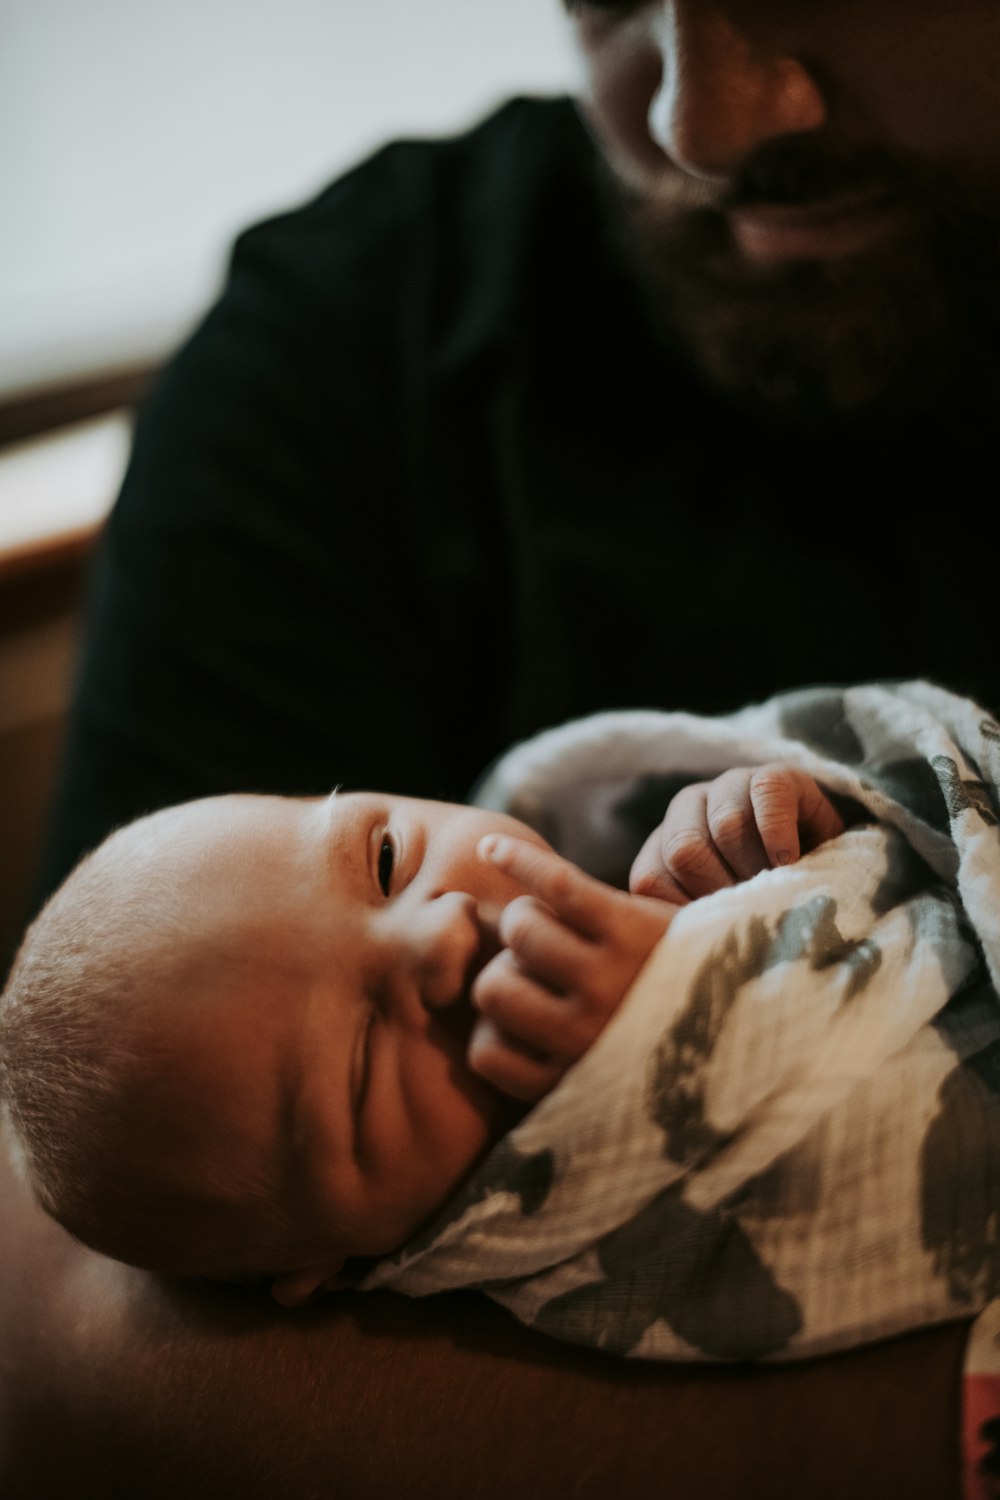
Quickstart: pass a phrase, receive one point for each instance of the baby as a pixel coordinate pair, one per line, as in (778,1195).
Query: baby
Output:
(253,1037)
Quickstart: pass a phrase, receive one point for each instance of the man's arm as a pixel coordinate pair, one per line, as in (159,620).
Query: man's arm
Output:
(112,1386)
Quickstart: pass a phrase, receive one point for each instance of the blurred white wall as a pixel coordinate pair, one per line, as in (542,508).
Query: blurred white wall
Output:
(137,136)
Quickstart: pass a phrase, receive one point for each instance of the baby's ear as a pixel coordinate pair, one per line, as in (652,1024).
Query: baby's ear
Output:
(295,1288)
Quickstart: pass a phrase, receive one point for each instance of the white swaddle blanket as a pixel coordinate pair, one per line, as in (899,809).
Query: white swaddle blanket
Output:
(787,1140)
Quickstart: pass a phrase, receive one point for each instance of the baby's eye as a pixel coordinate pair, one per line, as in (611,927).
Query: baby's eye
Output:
(386,864)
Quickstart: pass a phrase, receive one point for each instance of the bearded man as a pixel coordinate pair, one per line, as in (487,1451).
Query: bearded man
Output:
(665,396)
(811,197)
(661,396)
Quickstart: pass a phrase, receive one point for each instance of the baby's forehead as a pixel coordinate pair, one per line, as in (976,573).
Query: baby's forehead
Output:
(209,861)
(225,826)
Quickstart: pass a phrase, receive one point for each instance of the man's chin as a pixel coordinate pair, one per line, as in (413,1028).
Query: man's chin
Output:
(807,351)
(814,343)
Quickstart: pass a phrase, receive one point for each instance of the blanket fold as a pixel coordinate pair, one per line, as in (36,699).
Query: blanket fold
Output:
(787,1140)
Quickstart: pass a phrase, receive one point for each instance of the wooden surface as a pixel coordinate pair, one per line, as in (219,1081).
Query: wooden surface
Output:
(114,1386)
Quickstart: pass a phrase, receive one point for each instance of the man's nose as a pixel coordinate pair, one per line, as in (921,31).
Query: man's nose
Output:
(724,91)
(445,942)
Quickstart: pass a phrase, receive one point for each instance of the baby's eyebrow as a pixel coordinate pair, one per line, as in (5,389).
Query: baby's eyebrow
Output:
(346,843)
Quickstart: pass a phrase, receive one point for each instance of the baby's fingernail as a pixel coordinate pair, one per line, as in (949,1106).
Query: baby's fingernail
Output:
(491,847)
(783,857)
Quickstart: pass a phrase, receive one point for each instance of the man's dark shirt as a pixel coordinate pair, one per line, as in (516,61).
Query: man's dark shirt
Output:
(423,483)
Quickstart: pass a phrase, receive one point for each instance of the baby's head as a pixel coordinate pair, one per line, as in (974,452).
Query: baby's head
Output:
(234,1042)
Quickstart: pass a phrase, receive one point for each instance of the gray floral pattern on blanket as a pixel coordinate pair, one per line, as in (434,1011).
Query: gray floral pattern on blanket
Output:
(677,1067)
(700,1287)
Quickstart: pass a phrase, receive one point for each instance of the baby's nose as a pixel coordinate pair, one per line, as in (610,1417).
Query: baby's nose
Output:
(446,946)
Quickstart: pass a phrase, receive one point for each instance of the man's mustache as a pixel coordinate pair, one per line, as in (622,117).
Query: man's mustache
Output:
(806,170)
(799,171)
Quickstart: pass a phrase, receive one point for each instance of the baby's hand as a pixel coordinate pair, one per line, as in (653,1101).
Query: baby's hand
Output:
(572,947)
(719,832)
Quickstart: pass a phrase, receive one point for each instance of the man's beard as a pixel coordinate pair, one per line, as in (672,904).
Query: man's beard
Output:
(911,323)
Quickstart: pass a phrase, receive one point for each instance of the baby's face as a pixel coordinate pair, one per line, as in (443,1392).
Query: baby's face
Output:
(321,1050)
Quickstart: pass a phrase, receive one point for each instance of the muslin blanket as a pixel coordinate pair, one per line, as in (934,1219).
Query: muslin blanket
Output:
(787,1140)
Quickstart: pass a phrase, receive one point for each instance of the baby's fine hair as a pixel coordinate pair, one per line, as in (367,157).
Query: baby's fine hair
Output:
(68,1039)
(75,1048)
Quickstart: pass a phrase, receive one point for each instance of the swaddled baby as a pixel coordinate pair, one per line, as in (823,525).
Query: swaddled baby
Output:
(253,1037)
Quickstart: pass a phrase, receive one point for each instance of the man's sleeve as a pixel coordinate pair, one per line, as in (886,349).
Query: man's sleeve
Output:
(256,619)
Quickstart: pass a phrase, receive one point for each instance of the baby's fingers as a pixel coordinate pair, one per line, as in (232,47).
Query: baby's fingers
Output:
(514,1069)
(732,821)
(683,850)
(543,944)
(819,819)
(791,812)
(585,904)
(524,1007)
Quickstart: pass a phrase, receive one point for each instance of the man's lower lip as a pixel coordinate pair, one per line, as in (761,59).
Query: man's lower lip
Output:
(773,232)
